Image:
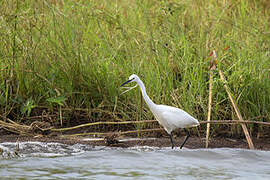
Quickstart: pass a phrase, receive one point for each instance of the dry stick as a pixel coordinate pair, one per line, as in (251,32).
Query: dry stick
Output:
(209,108)
(213,66)
(15,128)
(98,123)
(119,133)
(161,129)
(235,122)
(151,121)
(11,123)
(60,114)
(22,129)
(140,117)
(244,127)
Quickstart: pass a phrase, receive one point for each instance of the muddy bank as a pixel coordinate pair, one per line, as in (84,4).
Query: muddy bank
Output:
(192,143)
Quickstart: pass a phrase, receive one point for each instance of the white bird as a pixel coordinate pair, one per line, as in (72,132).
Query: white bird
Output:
(169,117)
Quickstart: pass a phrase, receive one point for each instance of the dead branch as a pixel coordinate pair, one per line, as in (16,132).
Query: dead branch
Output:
(14,127)
(102,122)
(235,122)
(119,133)
(151,121)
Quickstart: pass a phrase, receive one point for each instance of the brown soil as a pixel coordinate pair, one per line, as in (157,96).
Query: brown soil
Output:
(192,143)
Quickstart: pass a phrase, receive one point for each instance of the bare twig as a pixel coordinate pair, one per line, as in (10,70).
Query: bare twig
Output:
(161,129)
(152,121)
(119,133)
(244,127)
(102,122)
(209,109)
(27,130)
(234,122)
(212,67)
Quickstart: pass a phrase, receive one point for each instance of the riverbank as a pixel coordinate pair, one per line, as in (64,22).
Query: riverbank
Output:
(127,141)
(63,63)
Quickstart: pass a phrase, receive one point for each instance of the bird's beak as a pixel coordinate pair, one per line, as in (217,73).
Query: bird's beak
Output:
(126,82)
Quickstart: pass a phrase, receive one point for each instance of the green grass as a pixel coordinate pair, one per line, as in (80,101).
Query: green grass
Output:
(75,54)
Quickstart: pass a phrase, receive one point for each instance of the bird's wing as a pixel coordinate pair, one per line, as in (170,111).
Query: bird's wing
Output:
(177,118)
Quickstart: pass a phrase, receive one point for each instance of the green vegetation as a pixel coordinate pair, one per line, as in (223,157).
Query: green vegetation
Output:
(66,59)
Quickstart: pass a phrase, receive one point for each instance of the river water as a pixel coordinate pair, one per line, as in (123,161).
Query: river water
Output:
(38,160)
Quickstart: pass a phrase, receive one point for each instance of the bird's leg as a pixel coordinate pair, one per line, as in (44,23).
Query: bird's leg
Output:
(171,140)
(187,132)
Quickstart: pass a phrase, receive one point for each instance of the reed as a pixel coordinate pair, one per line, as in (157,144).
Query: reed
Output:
(66,59)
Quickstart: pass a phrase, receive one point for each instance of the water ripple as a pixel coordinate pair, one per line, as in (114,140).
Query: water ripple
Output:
(59,161)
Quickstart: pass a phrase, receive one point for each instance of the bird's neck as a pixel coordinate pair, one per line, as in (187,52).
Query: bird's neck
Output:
(148,101)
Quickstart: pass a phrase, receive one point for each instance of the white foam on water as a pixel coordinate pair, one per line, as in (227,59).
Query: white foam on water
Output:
(51,149)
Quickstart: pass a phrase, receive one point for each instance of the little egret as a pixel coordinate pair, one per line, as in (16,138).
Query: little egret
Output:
(169,117)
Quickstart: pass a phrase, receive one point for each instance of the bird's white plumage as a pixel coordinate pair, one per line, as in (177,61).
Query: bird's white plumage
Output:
(175,118)
(169,117)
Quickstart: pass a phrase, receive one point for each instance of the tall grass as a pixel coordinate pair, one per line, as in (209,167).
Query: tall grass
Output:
(73,55)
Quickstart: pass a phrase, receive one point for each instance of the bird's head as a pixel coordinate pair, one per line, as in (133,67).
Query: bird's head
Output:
(132,78)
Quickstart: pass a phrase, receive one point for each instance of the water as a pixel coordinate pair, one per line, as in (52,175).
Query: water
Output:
(59,161)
